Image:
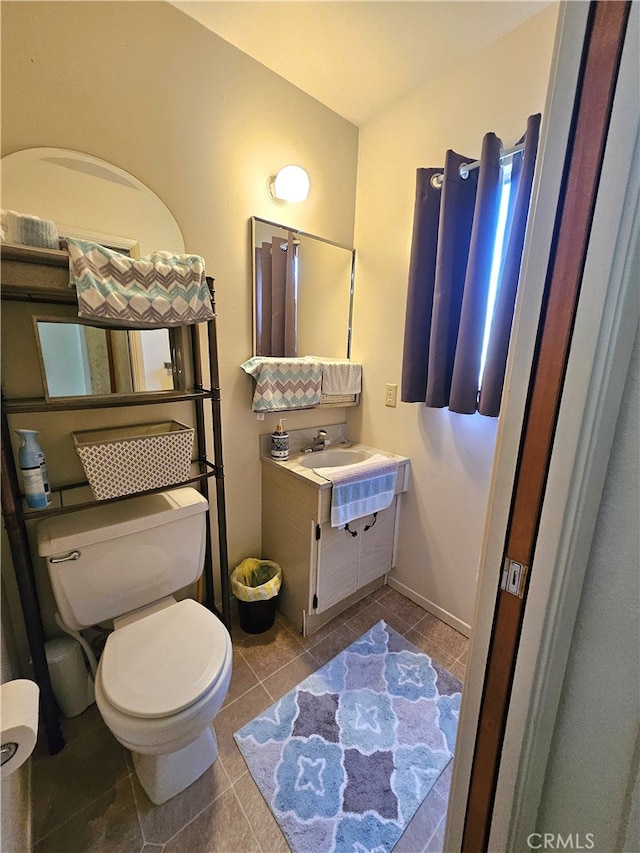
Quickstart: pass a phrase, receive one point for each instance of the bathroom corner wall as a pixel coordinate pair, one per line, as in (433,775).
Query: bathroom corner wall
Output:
(442,516)
(143,86)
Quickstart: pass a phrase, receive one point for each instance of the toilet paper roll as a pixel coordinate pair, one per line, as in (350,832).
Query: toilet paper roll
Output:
(18,722)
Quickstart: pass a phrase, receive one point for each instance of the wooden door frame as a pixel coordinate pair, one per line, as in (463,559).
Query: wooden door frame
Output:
(603,336)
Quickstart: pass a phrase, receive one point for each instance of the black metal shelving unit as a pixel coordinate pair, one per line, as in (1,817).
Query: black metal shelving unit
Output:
(41,276)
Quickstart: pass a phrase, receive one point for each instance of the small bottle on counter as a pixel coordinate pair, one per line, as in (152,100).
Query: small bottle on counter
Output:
(34,470)
(280,442)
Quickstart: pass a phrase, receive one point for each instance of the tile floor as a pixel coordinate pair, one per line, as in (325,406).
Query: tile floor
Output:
(87,798)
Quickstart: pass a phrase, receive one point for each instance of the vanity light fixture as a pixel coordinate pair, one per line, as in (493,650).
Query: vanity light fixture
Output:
(291,184)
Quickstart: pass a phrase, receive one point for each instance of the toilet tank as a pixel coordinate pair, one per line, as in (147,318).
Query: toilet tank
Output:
(109,560)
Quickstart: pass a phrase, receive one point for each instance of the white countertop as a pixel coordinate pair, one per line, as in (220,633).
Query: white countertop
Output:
(293,466)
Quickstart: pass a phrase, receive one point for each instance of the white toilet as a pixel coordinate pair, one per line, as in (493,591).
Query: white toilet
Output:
(165,669)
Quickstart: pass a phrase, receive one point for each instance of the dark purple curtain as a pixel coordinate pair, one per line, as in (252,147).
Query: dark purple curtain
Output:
(276,299)
(451,257)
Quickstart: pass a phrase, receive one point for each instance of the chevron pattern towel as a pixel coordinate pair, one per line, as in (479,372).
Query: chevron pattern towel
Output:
(159,290)
(290,383)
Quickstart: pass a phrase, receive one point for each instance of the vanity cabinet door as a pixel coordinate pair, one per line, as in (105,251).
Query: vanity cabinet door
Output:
(346,563)
(337,566)
(376,544)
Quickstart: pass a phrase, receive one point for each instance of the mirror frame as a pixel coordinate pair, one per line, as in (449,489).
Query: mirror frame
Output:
(300,233)
(176,348)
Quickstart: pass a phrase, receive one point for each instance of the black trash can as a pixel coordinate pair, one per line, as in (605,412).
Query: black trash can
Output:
(256,584)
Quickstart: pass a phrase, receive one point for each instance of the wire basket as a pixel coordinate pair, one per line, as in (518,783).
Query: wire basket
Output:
(124,460)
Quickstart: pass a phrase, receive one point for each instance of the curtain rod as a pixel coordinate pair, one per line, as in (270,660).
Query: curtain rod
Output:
(438,179)
(284,246)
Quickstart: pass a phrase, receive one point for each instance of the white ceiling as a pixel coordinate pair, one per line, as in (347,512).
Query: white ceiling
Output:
(359,57)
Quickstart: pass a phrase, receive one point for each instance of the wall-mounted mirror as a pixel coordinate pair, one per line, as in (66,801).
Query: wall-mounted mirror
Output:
(303,293)
(88,197)
(91,198)
(79,360)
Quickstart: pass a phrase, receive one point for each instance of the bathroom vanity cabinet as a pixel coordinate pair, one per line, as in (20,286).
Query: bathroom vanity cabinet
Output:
(325,569)
(347,560)
(39,278)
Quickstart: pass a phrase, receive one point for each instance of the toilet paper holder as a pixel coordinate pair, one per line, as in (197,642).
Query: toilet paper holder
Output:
(19,723)
(7,751)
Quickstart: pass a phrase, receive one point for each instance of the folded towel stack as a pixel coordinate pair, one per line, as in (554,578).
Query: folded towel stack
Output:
(284,383)
(29,230)
(360,489)
(159,290)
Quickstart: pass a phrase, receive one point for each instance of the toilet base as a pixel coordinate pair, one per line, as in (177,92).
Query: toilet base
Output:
(164,776)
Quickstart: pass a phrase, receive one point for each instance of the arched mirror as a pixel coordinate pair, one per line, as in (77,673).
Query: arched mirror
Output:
(88,197)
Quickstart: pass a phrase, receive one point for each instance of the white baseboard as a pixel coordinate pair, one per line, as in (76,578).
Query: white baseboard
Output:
(432,608)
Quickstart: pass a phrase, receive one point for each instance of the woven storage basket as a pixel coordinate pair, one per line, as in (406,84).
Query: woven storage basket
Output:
(128,459)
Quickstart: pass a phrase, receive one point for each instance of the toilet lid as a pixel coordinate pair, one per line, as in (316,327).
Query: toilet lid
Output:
(164,662)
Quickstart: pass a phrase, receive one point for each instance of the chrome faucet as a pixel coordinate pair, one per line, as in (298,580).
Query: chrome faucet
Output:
(319,442)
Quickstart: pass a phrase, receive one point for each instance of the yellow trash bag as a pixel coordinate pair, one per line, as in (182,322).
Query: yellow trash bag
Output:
(256,580)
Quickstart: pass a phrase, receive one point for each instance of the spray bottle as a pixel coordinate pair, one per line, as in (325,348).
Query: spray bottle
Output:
(280,442)
(34,470)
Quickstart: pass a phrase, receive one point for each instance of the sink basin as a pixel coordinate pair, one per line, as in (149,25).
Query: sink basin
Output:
(333,458)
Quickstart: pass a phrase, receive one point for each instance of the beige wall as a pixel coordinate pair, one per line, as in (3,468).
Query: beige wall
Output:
(451,455)
(145,87)
(150,90)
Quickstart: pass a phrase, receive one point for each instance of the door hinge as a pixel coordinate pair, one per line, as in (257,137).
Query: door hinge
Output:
(318,532)
(315,602)
(514,576)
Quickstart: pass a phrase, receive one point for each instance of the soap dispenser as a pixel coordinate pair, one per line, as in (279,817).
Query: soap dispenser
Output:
(280,442)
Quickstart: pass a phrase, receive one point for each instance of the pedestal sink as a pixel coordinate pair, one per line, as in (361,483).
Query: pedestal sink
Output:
(333,458)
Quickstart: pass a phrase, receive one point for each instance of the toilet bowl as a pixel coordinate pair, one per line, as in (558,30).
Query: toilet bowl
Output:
(166,667)
(160,683)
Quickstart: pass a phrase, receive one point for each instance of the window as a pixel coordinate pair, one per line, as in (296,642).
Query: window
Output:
(496,265)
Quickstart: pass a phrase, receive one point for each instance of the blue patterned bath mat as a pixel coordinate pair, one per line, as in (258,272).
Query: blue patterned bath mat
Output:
(346,757)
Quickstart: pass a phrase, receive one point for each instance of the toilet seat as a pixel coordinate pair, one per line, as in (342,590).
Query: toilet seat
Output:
(160,735)
(164,662)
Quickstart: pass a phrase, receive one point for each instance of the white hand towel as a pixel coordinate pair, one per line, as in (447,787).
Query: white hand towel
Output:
(341,376)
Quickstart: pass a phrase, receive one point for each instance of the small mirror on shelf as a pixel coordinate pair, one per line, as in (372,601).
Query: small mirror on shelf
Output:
(81,360)
(303,292)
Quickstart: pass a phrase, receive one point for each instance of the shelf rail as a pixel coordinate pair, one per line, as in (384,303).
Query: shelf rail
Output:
(12,504)
(27,590)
